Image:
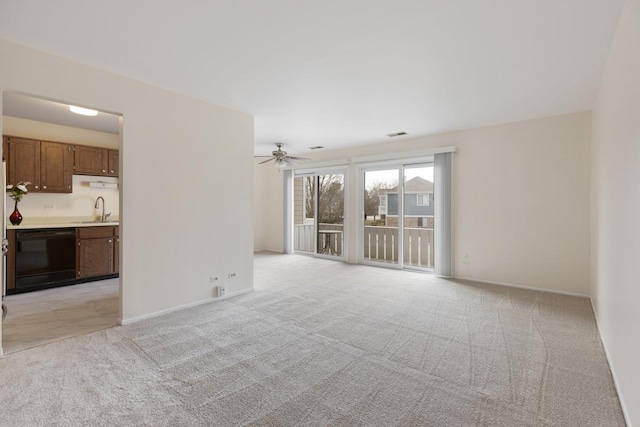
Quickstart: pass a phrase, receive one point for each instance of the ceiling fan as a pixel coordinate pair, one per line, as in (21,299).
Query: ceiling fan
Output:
(282,159)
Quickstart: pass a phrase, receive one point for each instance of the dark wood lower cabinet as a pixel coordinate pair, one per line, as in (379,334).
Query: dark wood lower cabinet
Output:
(95,252)
(116,255)
(97,255)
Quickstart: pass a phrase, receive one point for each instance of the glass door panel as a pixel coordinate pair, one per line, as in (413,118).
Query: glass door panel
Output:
(381,216)
(304,213)
(330,214)
(418,216)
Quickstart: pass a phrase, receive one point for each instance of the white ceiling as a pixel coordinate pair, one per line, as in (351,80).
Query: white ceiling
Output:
(340,73)
(28,107)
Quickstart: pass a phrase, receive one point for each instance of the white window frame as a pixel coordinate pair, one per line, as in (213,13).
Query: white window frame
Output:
(418,199)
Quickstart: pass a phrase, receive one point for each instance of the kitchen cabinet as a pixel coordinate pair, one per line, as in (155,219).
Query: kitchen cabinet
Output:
(24,162)
(91,161)
(11,261)
(48,166)
(116,250)
(56,167)
(95,251)
(5,149)
(114,163)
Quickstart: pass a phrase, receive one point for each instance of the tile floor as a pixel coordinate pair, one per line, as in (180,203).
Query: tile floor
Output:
(42,317)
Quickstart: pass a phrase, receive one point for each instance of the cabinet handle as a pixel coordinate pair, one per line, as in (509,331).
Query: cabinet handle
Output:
(69,187)
(44,187)
(36,187)
(112,171)
(110,241)
(103,171)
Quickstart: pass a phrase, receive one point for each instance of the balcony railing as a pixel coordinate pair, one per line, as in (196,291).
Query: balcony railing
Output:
(328,243)
(380,243)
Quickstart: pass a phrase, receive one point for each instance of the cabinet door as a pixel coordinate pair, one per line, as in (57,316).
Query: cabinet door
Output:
(11,260)
(5,148)
(24,162)
(91,160)
(114,163)
(95,257)
(56,167)
(116,255)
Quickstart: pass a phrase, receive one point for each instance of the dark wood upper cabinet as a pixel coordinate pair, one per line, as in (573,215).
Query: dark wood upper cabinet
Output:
(50,166)
(24,161)
(56,167)
(5,148)
(114,163)
(91,160)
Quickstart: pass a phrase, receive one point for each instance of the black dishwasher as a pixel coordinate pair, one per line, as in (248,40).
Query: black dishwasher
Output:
(45,258)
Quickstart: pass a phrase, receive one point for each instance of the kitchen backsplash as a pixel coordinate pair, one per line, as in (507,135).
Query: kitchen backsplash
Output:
(80,203)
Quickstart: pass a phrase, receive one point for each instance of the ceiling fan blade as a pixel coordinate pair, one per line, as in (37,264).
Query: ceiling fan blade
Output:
(266,161)
(300,159)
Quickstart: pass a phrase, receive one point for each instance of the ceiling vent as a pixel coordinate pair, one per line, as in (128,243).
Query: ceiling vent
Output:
(393,135)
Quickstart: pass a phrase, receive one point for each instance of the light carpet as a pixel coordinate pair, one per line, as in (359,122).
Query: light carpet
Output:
(326,343)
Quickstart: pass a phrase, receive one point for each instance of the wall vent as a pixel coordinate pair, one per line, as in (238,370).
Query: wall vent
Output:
(392,135)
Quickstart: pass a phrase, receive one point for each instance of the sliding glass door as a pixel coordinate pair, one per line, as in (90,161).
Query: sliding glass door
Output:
(399,216)
(381,221)
(319,212)
(418,218)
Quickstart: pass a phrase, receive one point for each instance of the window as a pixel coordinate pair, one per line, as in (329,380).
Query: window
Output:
(382,207)
(423,199)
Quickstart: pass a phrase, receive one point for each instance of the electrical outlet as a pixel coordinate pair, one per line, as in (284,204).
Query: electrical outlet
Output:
(221,290)
(213,279)
(465,259)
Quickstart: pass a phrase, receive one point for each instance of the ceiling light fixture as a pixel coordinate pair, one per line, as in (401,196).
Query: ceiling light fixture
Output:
(280,163)
(82,111)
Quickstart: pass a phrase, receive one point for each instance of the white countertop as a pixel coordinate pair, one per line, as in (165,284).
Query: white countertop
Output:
(60,222)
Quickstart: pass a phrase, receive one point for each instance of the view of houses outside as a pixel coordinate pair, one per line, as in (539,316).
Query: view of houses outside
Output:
(322,197)
(381,201)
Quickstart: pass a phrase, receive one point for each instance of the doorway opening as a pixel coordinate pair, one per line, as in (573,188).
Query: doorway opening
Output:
(72,164)
(319,213)
(399,216)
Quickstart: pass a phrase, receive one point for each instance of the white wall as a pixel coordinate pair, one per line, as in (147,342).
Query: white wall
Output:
(81,202)
(267,212)
(521,200)
(616,209)
(186,173)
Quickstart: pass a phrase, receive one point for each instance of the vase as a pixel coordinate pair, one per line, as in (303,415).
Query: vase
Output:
(16,216)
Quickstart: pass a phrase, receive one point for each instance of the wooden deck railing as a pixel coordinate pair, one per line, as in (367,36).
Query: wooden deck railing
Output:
(380,243)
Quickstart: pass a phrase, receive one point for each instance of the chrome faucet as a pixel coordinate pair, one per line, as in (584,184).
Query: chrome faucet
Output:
(104,216)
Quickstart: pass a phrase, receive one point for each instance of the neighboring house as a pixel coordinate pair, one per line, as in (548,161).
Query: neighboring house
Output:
(418,204)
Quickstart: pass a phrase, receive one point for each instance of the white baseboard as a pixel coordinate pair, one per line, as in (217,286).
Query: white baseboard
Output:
(625,412)
(531,288)
(182,307)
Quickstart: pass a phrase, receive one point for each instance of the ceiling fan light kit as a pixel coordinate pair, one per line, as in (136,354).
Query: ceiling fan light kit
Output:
(281,158)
